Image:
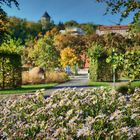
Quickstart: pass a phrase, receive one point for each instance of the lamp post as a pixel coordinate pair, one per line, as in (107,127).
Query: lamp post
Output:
(114,78)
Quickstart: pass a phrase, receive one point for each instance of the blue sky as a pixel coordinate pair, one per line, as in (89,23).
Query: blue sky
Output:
(82,11)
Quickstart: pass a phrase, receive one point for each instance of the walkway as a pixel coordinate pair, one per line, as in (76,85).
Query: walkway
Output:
(79,81)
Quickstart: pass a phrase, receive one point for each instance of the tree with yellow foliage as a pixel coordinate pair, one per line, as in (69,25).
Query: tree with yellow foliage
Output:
(68,58)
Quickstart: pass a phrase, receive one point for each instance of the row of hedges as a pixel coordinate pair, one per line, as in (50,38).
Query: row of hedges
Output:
(85,114)
(10,70)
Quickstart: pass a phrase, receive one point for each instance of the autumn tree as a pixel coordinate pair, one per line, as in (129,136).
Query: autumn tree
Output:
(125,7)
(75,42)
(42,54)
(23,29)
(3,17)
(68,58)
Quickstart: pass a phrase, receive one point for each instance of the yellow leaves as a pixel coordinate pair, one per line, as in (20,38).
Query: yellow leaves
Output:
(52,33)
(68,57)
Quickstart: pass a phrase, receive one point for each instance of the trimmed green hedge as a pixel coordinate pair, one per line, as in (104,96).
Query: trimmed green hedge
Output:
(10,70)
(100,70)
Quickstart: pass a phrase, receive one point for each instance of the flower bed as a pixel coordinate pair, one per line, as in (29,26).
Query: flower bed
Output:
(72,114)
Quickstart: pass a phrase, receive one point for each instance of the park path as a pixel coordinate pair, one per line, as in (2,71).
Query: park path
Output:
(79,81)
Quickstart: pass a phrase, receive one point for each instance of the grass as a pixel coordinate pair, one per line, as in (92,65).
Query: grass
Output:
(27,88)
(107,84)
(98,84)
(135,84)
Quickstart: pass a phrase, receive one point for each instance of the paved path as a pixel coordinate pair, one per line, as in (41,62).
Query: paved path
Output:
(79,81)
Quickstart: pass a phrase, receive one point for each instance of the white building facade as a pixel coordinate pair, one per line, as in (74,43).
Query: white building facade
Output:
(123,30)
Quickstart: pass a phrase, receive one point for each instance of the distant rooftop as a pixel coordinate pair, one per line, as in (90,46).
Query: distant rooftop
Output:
(116,27)
(46,15)
(121,29)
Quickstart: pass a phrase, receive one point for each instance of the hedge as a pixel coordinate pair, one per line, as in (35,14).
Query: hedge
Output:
(10,70)
(100,70)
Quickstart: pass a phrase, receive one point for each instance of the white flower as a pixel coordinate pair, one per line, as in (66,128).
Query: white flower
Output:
(61,103)
(54,105)
(134,115)
(69,112)
(100,116)
(136,130)
(89,120)
(116,115)
(59,131)
(84,131)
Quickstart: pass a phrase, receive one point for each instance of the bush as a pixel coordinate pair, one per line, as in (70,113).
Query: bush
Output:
(72,114)
(34,76)
(10,70)
(56,77)
(100,70)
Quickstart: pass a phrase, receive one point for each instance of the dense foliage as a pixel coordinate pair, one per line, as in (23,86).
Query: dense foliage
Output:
(23,29)
(68,57)
(125,7)
(130,62)
(3,17)
(72,114)
(10,70)
(10,64)
(41,52)
(114,51)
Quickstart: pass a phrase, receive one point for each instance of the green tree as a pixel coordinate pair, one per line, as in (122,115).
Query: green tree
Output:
(23,29)
(60,26)
(136,27)
(71,23)
(131,64)
(11,46)
(89,28)
(43,54)
(125,7)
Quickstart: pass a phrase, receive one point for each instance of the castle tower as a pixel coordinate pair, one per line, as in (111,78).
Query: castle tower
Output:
(45,19)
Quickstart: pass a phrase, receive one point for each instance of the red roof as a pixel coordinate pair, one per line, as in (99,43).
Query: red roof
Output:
(117,27)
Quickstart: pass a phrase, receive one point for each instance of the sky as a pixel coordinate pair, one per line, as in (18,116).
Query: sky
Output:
(82,11)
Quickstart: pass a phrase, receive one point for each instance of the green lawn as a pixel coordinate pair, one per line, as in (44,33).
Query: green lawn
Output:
(106,84)
(98,84)
(27,88)
(136,84)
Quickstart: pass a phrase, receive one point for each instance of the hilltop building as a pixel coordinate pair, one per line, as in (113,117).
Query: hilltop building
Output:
(123,29)
(45,19)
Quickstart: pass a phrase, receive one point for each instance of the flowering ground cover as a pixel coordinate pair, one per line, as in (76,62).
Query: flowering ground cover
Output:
(72,114)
